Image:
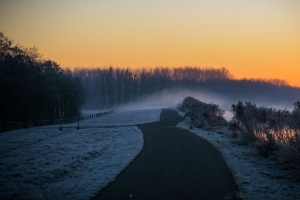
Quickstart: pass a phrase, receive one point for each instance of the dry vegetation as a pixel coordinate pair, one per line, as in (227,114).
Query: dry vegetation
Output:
(275,133)
(203,114)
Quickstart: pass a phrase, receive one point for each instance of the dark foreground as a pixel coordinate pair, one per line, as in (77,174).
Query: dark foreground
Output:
(174,164)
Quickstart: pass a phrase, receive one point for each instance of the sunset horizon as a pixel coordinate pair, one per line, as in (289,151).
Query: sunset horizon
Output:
(257,39)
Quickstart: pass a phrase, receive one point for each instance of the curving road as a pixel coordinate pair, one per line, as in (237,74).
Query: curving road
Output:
(174,164)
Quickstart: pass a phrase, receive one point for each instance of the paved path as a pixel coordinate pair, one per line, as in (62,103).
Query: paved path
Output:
(174,164)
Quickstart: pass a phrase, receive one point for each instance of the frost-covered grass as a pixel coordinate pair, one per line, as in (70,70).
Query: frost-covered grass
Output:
(45,163)
(256,177)
(124,118)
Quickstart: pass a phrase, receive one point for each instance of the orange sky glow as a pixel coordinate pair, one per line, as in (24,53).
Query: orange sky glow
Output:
(252,39)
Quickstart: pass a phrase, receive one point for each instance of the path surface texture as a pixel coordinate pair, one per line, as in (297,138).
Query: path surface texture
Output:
(174,164)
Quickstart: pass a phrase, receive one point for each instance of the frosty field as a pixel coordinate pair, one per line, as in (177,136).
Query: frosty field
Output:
(45,163)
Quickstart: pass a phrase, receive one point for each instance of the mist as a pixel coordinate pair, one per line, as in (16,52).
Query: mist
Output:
(170,98)
(117,88)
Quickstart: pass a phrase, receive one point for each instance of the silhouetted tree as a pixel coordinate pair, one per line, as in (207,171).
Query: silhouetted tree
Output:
(33,88)
(120,86)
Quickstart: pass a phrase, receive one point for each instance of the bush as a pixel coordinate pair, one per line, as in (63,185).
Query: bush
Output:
(245,121)
(265,147)
(289,154)
(203,114)
(273,131)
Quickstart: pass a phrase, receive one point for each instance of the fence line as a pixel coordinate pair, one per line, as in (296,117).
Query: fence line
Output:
(10,125)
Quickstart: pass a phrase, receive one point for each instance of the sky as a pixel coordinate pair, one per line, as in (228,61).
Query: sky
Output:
(251,38)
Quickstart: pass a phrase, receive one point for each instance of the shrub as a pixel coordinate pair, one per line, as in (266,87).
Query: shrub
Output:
(296,116)
(274,132)
(265,147)
(244,121)
(289,154)
(203,114)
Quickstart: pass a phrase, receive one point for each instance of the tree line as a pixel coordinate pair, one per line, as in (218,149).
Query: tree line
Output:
(33,88)
(112,86)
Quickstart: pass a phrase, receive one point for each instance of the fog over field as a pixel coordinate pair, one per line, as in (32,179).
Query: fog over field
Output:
(171,97)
